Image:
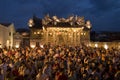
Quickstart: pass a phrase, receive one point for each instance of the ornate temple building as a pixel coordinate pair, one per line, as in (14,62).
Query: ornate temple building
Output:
(73,30)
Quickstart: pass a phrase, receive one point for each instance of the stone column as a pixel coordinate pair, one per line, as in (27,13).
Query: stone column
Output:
(75,43)
(66,39)
(78,38)
(72,36)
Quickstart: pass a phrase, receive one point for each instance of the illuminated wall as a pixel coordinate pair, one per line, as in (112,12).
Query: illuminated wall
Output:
(68,36)
(6,35)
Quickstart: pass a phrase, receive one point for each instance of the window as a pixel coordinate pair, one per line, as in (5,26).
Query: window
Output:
(9,33)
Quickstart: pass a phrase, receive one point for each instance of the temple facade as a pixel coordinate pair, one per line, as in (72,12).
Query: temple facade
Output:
(73,30)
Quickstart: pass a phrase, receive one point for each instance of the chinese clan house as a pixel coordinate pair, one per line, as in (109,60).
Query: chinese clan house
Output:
(73,30)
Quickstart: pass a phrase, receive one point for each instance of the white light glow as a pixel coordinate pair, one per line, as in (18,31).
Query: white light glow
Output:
(32,46)
(82,27)
(17,46)
(81,33)
(41,46)
(74,30)
(38,32)
(88,24)
(43,28)
(96,45)
(31,23)
(106,46)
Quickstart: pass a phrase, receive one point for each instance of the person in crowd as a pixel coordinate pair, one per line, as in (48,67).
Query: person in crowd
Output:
(60,62)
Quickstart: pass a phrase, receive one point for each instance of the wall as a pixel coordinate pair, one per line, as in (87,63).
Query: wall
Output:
(4,35)
(11,33)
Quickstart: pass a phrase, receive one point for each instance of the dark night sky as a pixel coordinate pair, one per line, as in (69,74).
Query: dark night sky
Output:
(104,14)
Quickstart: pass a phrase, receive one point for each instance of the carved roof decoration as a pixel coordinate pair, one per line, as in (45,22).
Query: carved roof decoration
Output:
(55,21)
(70,21)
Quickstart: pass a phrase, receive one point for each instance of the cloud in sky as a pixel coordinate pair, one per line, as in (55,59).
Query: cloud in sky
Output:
(104,14)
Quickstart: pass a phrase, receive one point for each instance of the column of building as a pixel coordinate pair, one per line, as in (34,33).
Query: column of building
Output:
(75,43)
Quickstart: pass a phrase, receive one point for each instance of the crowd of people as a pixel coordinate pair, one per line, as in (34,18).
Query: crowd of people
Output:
(60,62)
